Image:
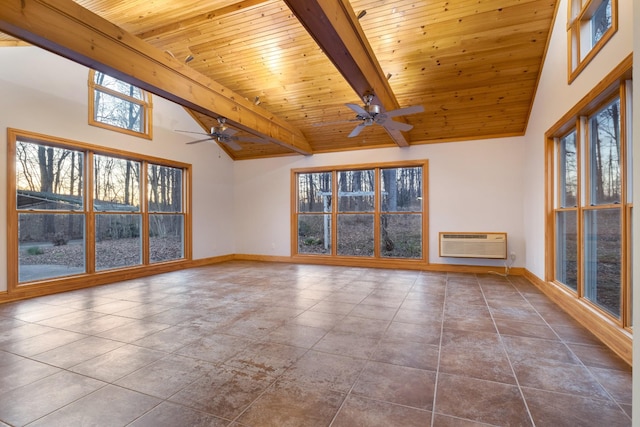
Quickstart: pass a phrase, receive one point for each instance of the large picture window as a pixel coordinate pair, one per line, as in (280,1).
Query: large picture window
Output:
(374,212)
(119,106)
(78,209)
(592,203)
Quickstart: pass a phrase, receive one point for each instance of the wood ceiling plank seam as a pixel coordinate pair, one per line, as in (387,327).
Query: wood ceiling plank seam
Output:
(437,75)
(453,66)
(378,20)
(237,8)
(140,17)
(469,110)
(465,45)
(481,24)
(476,96)
(452,29)
(251,40)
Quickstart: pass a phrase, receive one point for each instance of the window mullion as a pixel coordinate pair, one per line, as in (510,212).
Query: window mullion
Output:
(581,160)
(90,221)
(144,211)
(376,213)
(334,213)
(120,95)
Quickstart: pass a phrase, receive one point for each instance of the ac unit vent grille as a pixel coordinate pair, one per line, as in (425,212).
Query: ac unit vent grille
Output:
(464,236)
(473,245)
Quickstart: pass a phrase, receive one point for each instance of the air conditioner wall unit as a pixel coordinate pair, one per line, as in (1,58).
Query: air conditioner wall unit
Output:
(473,245)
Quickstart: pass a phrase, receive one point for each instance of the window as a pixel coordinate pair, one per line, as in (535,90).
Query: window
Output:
(603,210)
(365,213)
(566,212)
(592,203)
(591,24)
(118,218)
(119,106)
(50,209)
(166,221)
(79,209)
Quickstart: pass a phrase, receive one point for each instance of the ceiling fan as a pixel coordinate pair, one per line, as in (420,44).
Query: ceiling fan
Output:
(370,114)
(224,135)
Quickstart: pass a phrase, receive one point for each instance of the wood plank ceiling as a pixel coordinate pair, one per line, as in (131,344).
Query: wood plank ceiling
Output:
(472,64)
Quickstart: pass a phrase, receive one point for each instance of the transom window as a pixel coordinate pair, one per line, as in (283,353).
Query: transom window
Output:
(76,209)
(370,212)
(119,106)
(591,24)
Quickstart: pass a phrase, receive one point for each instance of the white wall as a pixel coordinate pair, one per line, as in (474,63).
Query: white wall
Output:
(44,93)
(473,186)
(554,98)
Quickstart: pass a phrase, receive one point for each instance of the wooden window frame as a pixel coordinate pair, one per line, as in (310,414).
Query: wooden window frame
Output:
(376,260)
(91,277)
(145,104)
(615,332)
(575,209)
(579,17)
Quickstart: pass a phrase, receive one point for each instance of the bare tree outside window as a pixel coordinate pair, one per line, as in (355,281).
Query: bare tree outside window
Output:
(166,220)
(387,201)
(600,21)
(119,223)
(605,183)
(602,223)
(401,204)
(52,213)
(568,164)
(567,213)
(119,105)
(314,209)
(356,195)
(49,197)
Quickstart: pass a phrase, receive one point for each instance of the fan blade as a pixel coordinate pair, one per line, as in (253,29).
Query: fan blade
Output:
(228,132)
(393,125)
(255,140)
(405,111)
(199,140)
(188,131)
(356,131)
(231,144)
(359,110)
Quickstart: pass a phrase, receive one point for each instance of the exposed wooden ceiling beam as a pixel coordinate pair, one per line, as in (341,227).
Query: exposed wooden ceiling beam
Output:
(68,29)
(334,26)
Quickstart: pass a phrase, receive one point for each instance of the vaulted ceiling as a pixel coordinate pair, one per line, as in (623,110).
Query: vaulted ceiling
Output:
(284,70)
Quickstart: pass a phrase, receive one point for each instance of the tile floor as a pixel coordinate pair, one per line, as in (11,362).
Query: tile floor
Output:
(257,344)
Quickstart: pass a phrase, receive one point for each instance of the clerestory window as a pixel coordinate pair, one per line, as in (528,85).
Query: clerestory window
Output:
(119,106)
(591,24)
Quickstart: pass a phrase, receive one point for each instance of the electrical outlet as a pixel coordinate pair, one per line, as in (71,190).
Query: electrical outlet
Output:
(513,256)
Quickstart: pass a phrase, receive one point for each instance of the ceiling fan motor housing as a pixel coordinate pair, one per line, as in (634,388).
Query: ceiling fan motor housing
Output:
(372,109)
